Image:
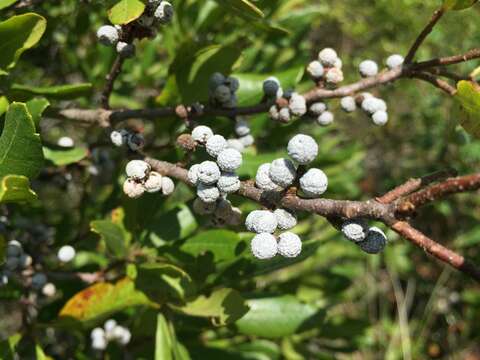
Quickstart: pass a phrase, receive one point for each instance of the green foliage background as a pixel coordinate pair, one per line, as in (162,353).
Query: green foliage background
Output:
(187,290)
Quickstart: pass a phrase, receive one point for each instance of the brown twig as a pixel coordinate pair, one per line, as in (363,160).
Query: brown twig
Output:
(450,60)
(110,81)
(441,84)
(437,15)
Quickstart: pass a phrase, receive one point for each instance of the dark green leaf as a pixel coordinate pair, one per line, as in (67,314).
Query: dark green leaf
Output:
(223,244)
(36,107)
(112,234)
(60,92)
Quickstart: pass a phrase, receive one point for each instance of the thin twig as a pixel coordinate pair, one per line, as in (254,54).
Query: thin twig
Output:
(110,81)
(441,84)
(450,60)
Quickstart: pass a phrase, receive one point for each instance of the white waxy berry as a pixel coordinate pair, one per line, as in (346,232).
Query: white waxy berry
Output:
(262,179)
(97,332)
(107,35)
(49,289)
(284,115)
(164,12)
(25,261)
(133,189)
(348,104)
(203,208)
(338,64)
(326,118)
(137,169)
(3,279)
(394,61)
(228,183)
(135,141)
(153,183)
(302,148)
(264,246)
(168,186)
(271,86)
(242,127)
(109,325)
(374,242)
(318,108)
(354,230)
(39,280)
(372,104)
(368,68)
(201,134)
(66,142)
(208,193)
(282,172)
(125,49)
(315,70)
(314,183)
(261,221)
(223,94)
(366,95)
(66,253)
(193,174)
(328,57)
(122,335)
(334,76)
(235,144)
(285,219)
(215,145)
(274,113)
(229,160)
(297,105)
(99,343)
(289,245)
(14,248)
(247,140)
(208,172)
(380,118)
(119,137)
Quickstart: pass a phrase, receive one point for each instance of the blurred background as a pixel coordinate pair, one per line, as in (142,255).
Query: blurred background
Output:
(334,302)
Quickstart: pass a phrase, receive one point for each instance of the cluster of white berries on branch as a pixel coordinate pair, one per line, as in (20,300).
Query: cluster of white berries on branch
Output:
(133,140)
(289,104)
(141,179)
(109,35)
(111,331)
(216,179)
(222,90)
(157,12)
(371,240)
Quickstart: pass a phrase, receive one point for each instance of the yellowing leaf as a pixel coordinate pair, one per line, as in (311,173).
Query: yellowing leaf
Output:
(16,188)
(125,11)
(468,94)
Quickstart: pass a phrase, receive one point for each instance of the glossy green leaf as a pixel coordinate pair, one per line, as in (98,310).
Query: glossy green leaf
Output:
(36,107)
(103,299)
(6,3)
(18,34)
(278,316)
(112,234)
(163,340)
(16,188)
(126,11)
(59,92)
(458,4)
(20,147)
(243,8)
(61,157)
(223,306)
(223,244)
(174,224)
(468,94)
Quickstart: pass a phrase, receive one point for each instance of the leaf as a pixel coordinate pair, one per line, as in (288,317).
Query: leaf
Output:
(458,4)
(243,8)
(163,282)
(278,316)
(36,107)
(103,299)
(60,92)
(223,244)
(18,34)
(163,340)
(16,188)
(6,3)
(3,105)
(61,157)
(175,224)
(468,94)
(20,147)
(223,306)
(112,234)
(126,11)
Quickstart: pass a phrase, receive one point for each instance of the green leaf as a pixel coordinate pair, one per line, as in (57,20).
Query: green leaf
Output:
(278,317)
(113,235)
(36,107)
(223,306)
(468,94)
(223,244)
(163,340)
(3,105)
(458,4)
(20,147)
(103,299)
(163,282)
(175,224)
(6,3)
(125,11)
(60,92)
(16,188)
(61,157)
(40,354)
(18,34)
(243,8)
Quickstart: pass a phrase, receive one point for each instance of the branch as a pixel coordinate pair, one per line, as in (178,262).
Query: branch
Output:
(437,15)
(110,80)
(450,60)
(441,84)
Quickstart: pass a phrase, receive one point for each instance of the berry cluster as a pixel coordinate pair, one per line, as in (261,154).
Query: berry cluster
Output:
(372,240)
(141,179)
(244,138)
(122,137)
(111,331)
(157,12)
(288,104)
(222,91)
(109,35)
(16,260)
